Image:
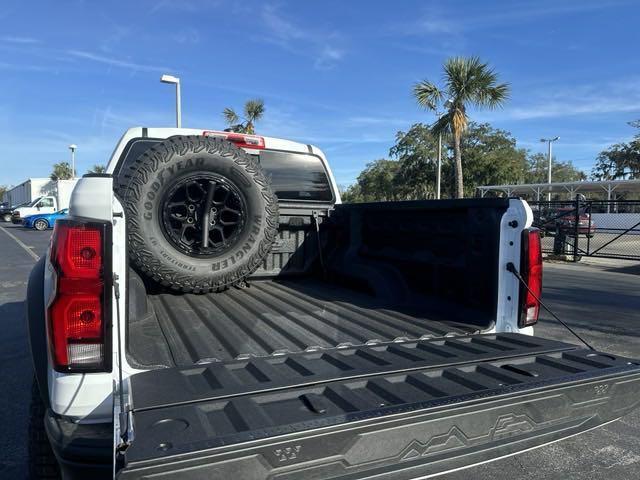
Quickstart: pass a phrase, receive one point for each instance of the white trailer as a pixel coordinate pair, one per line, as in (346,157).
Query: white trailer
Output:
(43,194)
(29,190)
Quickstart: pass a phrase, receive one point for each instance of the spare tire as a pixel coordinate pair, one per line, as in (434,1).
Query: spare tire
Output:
(200,212)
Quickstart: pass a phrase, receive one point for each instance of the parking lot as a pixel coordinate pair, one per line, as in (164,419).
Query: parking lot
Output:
(600,300)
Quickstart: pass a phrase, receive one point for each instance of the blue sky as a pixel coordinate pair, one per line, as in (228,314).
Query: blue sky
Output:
(337,74)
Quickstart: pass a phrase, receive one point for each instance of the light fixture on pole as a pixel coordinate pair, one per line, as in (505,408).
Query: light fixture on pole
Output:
(73,148)
(549,141)
(176,82)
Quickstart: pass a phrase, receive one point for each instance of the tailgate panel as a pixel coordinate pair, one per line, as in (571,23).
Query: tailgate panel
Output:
(172,386)
(422,420)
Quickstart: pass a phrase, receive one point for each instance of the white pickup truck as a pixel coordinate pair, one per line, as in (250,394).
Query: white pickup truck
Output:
(211,310)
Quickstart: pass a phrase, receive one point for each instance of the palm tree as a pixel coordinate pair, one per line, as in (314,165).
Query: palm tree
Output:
(97,168)
(61,171)
(467,81)
(253,111)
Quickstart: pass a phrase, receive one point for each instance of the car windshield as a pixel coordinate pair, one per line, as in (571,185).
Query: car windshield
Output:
(34,202)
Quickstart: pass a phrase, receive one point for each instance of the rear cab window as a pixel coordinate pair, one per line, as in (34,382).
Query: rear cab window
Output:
(295,176)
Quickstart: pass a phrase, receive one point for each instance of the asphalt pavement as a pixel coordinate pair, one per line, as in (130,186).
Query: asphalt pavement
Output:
(16,370)
(601,301)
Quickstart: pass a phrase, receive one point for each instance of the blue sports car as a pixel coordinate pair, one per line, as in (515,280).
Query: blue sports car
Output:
(42,221)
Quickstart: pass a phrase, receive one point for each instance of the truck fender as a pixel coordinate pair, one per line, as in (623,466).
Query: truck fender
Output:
(37,327)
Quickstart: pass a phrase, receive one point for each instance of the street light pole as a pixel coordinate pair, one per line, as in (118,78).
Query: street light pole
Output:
(549,142)
(176,82)
(439,171)
(73,147)
(447,104)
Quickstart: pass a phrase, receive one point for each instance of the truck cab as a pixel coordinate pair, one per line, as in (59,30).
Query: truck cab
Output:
(43,204)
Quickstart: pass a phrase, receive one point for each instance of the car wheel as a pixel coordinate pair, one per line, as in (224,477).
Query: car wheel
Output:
(6,217)
(40,225)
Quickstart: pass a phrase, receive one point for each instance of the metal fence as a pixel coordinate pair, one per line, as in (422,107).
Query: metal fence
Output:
(595,228)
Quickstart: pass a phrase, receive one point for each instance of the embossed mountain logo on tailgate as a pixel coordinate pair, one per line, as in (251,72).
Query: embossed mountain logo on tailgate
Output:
(506,425)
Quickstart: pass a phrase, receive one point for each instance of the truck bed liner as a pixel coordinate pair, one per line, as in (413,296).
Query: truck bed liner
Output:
(275,316)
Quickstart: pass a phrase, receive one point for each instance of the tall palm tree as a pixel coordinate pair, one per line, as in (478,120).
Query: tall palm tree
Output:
(61,171)
(467,81)
(253,111)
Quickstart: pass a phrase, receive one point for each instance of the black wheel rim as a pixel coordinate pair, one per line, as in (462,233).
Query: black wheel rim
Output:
(203,216)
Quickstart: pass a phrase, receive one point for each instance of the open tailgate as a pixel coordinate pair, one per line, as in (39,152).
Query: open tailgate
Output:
(395,410)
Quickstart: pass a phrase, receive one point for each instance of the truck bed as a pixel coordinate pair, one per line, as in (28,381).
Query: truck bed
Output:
(274,316)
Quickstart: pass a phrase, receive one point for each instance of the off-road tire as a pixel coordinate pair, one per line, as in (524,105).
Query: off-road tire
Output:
(42,461)
(152,176)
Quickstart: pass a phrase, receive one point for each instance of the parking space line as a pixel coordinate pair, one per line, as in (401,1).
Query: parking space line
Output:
(19,242)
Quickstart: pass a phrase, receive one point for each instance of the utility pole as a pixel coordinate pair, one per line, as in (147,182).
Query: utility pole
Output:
(549,142)
(447,104)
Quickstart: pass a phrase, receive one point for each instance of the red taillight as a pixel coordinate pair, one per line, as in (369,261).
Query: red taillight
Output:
(78,313)
(239,139)
(531,271)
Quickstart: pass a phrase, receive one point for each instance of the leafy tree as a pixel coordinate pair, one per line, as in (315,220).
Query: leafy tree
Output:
(538,168)
(61,171)
(375,183)
(417,155)
(253,111)
(97,168)
(620,161)
(351,193)
(3,190)
(467,82)
(491,157)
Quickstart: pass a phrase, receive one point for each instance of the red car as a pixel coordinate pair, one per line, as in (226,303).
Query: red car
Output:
(564,219)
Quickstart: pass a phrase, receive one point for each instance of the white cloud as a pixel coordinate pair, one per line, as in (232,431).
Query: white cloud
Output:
(610,97)
(20,40)
(115,62)
(328,58)
(24,67)
(188,35)
(436,20)
(320,45)
(188,6)
(371,120)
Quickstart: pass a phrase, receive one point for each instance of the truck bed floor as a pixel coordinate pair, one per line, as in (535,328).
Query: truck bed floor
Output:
(270,317)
